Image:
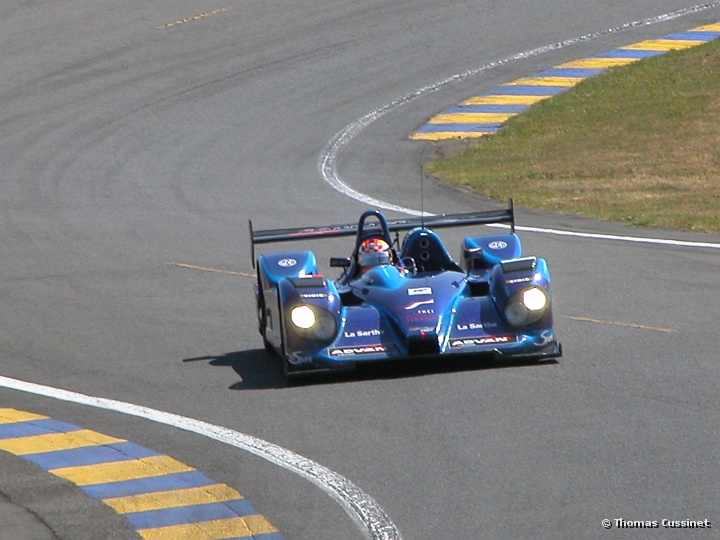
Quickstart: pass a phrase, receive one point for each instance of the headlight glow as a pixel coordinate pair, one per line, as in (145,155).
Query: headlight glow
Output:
(526,306)
(303,317)
(534,299)
(313,322)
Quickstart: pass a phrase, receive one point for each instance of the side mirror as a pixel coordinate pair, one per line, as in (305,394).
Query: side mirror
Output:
(473,258)
(340,262)
(409,264)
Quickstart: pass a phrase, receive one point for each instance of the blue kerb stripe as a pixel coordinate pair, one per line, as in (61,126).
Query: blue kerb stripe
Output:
(495,109)
(468,128)
(694,36)
(580,73)
(525,90)
(629,53)
(91,455)
(168,482)
(184,515)
(124,451)
(35,427)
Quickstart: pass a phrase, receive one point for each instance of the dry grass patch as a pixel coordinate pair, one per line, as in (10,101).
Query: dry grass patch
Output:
(639,144)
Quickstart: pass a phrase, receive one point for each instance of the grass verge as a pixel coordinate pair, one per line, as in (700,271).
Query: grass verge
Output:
(638,144)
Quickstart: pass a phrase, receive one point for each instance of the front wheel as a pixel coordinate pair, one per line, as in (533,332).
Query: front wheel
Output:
(262,321)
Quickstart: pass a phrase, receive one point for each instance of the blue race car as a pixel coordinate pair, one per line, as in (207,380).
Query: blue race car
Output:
(403,300)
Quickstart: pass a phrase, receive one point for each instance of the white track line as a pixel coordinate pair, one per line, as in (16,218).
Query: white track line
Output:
(327,163)
(364,511)
(636,239)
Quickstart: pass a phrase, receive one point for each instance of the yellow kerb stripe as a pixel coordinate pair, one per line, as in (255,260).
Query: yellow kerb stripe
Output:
(443,135)
(12,416)
(546,81)
(598,63)
(504,100)
(206,530)
(103,473)
(715,27)
(663,45)
(173,499)
(52,442)
(472,118)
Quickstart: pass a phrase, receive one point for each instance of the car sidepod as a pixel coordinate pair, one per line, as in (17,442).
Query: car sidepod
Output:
(494,316)
(522,293)
(271,270)
(311,314)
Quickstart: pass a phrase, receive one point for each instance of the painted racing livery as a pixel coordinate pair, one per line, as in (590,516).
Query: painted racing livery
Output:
(403,300)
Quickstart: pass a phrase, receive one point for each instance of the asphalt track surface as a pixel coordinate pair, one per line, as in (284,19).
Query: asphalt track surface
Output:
(137,140)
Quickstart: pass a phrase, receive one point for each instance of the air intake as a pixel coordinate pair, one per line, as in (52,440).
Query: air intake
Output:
(423,346)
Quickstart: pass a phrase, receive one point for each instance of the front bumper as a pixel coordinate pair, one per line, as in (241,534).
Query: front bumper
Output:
(552,350)
(528,347)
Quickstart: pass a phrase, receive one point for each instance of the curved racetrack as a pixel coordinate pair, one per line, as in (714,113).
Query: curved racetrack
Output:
(137,140)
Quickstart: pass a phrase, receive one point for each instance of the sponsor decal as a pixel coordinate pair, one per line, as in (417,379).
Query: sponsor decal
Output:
(321,230)
(518,280)
(315,295)
(298,359)
(364,333)
(420,290)
(423,330)
(479,341)
(287,263)
(358,351)
(416,305)
(476,326)
(547,337)
(421,315)
(498,244)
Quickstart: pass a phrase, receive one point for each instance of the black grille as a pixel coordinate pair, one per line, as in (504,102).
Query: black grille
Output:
(479,288)
(308,282)
(423,347)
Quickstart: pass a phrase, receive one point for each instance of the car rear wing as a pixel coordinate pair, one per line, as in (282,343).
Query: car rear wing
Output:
(401,224)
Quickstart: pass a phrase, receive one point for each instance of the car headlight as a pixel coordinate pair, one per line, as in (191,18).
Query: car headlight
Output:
(313,322)
(526,306)
(534,299)
(303,317)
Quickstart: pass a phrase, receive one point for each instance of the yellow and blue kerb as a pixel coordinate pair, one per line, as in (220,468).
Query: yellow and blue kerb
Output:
(162,498)
(486,113)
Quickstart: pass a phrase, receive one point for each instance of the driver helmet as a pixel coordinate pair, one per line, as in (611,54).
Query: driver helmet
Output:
(373,252)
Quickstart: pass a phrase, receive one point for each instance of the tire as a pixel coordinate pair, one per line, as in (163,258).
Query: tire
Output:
(262,323)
